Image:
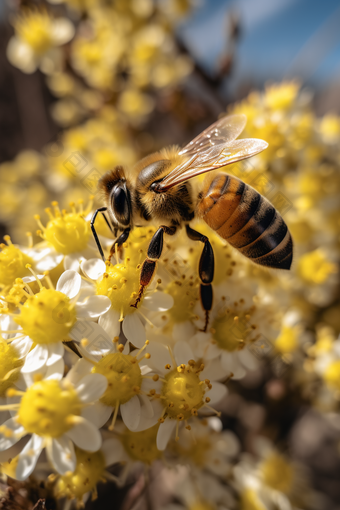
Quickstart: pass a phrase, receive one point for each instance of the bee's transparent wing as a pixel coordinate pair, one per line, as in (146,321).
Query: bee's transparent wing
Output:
(216,156)
(223,131)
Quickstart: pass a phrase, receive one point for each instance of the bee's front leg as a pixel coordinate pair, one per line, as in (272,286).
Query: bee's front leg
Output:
(149,265)
(206,271)
(119,241)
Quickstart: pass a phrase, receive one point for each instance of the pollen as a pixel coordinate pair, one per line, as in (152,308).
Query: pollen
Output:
(9,366)
(120,284)
(141,446)
(185,294)
(89,471)
(67,232)
(182,392)
(47,409)
(12,264)
(47,317)
(123,375)
(231,330)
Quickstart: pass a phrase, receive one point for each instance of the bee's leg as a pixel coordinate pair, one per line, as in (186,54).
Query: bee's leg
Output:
(149,265)
(102,210)
(119,241)
(206,271)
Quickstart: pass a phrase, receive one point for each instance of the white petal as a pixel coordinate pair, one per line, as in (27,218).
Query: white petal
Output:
(22,345)
(28,457)
(17,432)
(113,451)
(183,353)
(131,412)
(91,387)
(49,262)
(55,353)
(134,330)
(146,407)
(248,359)
(62,31)
(232,365)
(21,55)
(55,371)
(110,323)
(93,307)
(160,357)
(35,359)
(72,262)
(69,283)
(230,446)
(147,422)
(158,301)
(97,413)
(214,371)
(81,368)
(61,454)
(182,331)
(30,279)
(86,436)
(93,268)
(164,432)
(217,392)
(98,343)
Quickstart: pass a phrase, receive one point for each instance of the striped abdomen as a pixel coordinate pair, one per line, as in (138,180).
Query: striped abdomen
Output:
(247,221)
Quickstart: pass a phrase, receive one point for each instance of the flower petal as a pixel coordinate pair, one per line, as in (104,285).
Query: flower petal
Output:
(217,392)
(248,359)
(97,413)
(93,308)
(55,371)
(69,283)
(131,412)
(113,451)
(61,454)
(91,387)
(35,359)
(72,261)
(182,331)
(158,301)
(16,432)
(55,353)
(160,357)
(28,457)
(183,353)
(62,31)
(164,432)
(85,435)
(110,323)
(22,345)
(134,330)
(98,341)
(49,262)
(232,365)
(93,268)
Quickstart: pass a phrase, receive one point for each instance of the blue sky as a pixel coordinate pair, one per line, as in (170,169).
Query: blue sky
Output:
(279,38)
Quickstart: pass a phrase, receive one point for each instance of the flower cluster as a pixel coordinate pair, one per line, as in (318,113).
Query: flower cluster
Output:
(93,389)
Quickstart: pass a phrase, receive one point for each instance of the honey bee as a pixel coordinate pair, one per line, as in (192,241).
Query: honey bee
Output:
(160,188)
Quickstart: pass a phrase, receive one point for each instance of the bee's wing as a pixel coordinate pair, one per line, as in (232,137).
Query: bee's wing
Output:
(223,131)
(216,156)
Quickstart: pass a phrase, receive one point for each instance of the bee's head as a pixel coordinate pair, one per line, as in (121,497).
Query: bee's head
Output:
(117,196)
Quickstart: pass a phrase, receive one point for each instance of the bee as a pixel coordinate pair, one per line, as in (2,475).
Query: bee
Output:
(160,188)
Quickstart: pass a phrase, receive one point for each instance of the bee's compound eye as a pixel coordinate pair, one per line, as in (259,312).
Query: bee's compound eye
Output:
(120,204)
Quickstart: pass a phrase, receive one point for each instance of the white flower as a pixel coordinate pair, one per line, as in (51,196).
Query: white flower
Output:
(129,381)
(51,411)
(132,322)
(186,387)
(50,317)
(36,40)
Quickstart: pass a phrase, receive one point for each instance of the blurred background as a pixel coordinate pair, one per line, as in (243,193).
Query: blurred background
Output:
(89,84)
